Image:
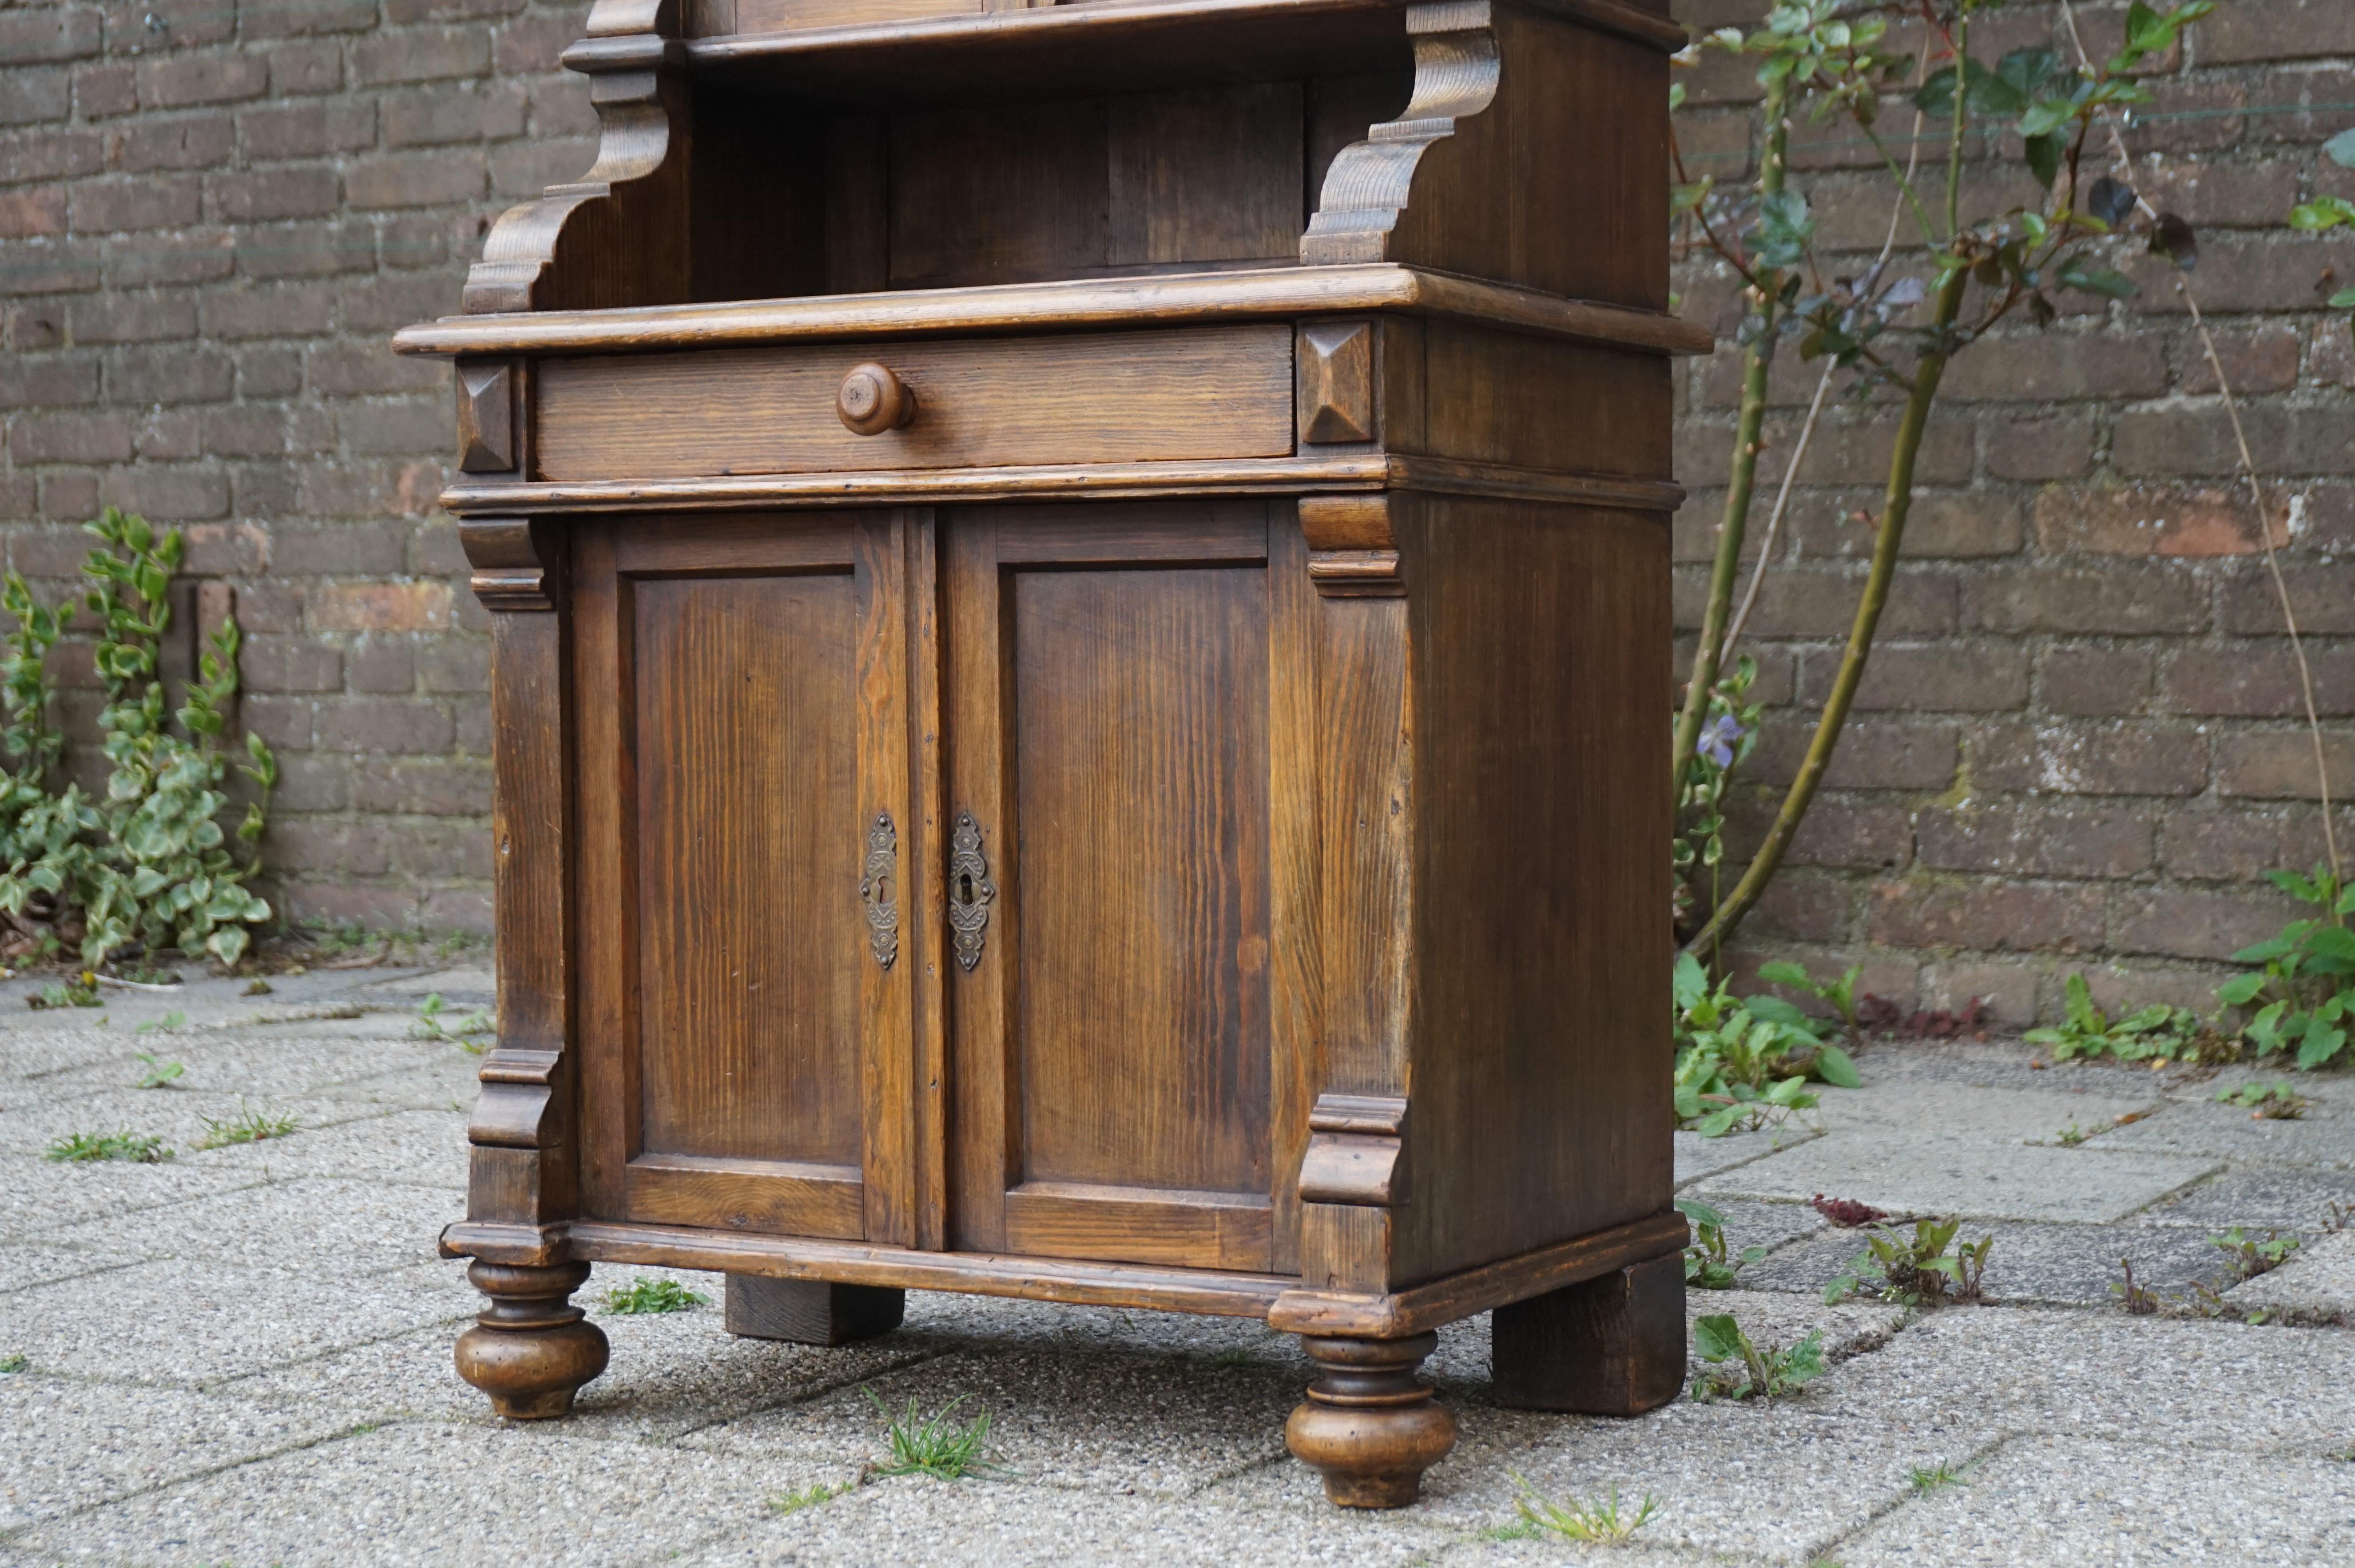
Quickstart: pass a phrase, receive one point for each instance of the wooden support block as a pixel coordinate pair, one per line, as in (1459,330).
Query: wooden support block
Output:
(811,1311)
(1609,1346)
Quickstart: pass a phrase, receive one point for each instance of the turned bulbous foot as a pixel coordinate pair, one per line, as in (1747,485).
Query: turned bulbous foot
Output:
(530,1349)
(1369,1426)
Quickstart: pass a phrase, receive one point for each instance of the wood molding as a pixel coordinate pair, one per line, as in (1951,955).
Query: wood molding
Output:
(1457,66)
(510,573)
(1357,1150)
(636,188)
(1038,307)
(1426,1306)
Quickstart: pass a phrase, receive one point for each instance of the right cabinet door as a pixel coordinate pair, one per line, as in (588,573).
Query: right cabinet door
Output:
(1117,696)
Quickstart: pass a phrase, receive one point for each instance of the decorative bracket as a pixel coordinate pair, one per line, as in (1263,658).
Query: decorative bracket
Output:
(509,572)
(486,416)
(1356,1151)
(970,890)
(1336,391)
(875,889)
(1351,552)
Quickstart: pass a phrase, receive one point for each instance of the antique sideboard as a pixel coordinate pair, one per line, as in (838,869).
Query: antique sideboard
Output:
(1079,602)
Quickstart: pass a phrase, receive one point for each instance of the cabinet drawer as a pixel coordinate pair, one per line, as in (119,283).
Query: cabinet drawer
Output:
(1128,397)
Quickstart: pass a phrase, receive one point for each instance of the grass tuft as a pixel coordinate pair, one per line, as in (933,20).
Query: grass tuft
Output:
(1599,1523)
(12,1363)
(81,1148)
(245,1127)
(649,1296)
(1927,1481)
(785,1503)
(935,1446)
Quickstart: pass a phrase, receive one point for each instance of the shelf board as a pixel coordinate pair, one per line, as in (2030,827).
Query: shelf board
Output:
(1100,45)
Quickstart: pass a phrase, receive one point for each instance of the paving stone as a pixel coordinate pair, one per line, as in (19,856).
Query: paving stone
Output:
(237,1063)
(2056,1264)
(1995,1064)
(445,1082)
(178,1117)
(1697,1157)
(1126,1424)
(1752,1224)
(1851,1328)
(2272,1198)
(430,1493)
(1957,1111)
(101,1441)
(2040,1502)
(475,984)
(26,1264)
(1009,1525)
(1932,1171)
(424,1148)
(2324,1136)
(332,1228)
(38,1197)
(188,1323)
(2170,1383)
(38,1064)
(2318,1281)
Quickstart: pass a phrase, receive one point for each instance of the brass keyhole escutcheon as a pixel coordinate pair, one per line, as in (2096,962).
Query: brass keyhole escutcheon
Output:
(874,400)
(971,891)
(875,891)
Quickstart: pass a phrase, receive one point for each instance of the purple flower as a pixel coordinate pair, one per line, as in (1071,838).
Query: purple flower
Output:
(1717,740)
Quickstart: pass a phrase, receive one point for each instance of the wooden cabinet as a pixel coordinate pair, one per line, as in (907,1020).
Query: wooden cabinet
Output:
(1078,602)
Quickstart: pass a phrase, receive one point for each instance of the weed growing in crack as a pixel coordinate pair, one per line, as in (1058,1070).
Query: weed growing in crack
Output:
(165,1025)
(809,1497)
(245,1127)
(1237,1357)
(82,1148)
(81,993)
(1597,1524)
(436,1020)
(2138,1299)
(1918,1272)
(1742,1369)
(651,1296)
(934,1447)
(2267,1102)
(2248,1257)
(1925,1481)
(1710,1263)
(12,1364)
(2072,1135)
(157,1074)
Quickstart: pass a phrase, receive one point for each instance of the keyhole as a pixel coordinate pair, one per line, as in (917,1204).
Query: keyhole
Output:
(964,887)
(882,890)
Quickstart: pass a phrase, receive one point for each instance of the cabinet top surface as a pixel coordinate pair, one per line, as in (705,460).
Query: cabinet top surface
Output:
(1046,306)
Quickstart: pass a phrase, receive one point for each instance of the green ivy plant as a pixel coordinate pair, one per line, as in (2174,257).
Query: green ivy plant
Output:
(148,867)
(2304,990)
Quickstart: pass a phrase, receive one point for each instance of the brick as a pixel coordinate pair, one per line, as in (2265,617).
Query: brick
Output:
(69,438)
(305,68)
(380,607)
(115,206)
(384,667)
(415,179)
(307,130)
(387,304)
(35,96)
(39,210)
(166,495)
(2259,682)
(1943,525)
(27,382)
(46,36)
(102,91)
(453,664)
(1823,605)
(2322,596)
(1872,754)
(2120,988)
(2005,992)
(2258,361)
(49,154)
(2035,841)
(285,311)
(402,13)
(372,550)
(420,54)
(2278,30)
(2097,682)
(1987,917)
(182,141)
(425,786)
(2211,194)
(474,716)
(69,496)
(2199,440)
(178,81)
(2056,364)
(318,16)
(435,552)
(2077,760)
(530,43)
(168,260)
(307,250)
(122,319)
(2142,600)
(2052,446)
(560,109)
(1933,677)
(20,496)
(379,909)
(221,549)
(245,432)
(309,845)
(2240,272)
(2279,764)
(393,428)
(1834,832)
(459,909)
(2238,846)
(407,728)
(260,195)
(1805,906)
(2177,924)
(170,433)
(525,168)
(2179,520)
(171,375)
(434,116)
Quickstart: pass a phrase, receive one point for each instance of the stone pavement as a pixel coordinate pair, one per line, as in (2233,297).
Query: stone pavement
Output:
(241,1356)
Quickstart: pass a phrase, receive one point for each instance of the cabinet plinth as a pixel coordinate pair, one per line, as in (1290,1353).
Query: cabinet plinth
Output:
(1076,683)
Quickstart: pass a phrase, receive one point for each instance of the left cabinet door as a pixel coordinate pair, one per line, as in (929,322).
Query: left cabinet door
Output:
(745,687)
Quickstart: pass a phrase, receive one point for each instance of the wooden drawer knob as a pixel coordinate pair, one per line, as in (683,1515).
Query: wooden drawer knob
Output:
(873,400)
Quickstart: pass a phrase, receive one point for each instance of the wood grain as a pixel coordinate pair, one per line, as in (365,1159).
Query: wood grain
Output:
(787,1198)
(1220,393)
(1191,1229)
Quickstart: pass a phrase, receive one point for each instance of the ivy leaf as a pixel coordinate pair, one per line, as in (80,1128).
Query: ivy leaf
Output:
(2044,155)
(2098,280)
(2341,149)
(2112,201)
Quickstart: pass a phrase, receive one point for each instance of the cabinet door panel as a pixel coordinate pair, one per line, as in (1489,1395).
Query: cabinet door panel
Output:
(744,738)
(1119,1089)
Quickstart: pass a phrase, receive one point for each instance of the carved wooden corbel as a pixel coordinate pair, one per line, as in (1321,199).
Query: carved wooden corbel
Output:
(509,572)
(1351,553)
(1456,69)
(617,236)
(1356,1151)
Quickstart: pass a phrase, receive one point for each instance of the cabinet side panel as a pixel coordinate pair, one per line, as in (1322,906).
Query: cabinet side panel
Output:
(1141,775)
(750,840)
(1542,937)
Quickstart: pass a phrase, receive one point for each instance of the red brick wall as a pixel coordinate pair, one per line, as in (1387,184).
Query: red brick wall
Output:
(2076,744)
